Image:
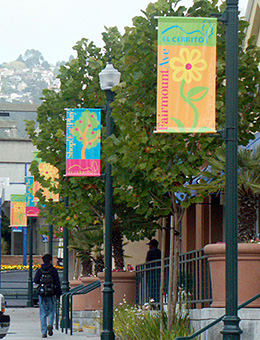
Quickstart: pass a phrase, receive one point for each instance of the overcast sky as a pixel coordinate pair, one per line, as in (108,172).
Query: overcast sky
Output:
(54,26)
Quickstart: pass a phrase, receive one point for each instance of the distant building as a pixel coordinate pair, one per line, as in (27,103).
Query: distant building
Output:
(16,155)
(253,17)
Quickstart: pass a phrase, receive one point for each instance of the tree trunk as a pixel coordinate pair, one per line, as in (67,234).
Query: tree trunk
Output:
(86,264)
(176,264)
(162,288)
(171,274)
(247,215)
(118,251)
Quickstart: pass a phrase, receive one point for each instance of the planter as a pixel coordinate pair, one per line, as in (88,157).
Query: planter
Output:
(92,300)
(78,304)
(124,285)
(248,273)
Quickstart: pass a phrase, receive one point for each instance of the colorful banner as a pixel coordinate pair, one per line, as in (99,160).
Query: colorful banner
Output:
(18,211)
(186,75)
(83,142)
(31,200)
(47,171)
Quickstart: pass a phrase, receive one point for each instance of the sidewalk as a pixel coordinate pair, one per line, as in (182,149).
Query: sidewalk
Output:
(25,325)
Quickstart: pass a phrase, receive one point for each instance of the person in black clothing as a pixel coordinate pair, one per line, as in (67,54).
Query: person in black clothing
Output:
(153,272)
(153,253)
(47,303)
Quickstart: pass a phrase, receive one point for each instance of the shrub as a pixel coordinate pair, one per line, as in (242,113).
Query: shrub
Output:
(133,323)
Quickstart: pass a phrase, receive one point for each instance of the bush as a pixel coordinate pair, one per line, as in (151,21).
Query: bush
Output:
(133,323)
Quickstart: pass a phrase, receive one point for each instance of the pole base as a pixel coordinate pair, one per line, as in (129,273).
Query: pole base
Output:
(107,335)
(231,330)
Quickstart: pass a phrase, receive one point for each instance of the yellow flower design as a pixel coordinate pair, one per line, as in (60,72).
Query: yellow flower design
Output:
(188,65)
(18,207)
(48,171)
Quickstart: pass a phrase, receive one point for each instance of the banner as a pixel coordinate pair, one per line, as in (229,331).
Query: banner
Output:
(31,200)
(18,211)
(47,171)
(83,142)
(186,75)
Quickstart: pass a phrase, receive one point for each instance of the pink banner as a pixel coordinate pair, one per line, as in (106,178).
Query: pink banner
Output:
(32,211)
(83,167)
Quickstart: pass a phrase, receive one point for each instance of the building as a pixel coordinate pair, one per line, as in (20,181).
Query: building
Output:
(16,155)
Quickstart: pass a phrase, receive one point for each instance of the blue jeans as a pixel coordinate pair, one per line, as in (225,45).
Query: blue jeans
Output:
(47,310)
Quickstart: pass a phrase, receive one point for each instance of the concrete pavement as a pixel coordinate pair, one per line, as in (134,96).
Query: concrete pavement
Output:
(25,325)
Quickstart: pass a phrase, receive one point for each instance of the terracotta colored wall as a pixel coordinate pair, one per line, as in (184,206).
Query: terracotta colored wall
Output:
(18,259)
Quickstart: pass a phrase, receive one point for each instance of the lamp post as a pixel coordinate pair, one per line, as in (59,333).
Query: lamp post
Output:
(51,237)
(109,77)
(231,330)
(65,322)
(30,274)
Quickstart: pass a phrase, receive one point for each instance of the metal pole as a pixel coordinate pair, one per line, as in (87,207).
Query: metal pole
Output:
(231,330)
(65,278)
(0,239)
(30,276)
(51,237)
(25,246)
(107,333)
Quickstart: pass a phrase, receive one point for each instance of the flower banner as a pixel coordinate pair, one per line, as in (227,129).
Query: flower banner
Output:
(48,171)
(18,211)
(186,75)
(83,142)
(31,200)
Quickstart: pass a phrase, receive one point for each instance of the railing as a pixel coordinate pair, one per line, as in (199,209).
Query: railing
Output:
(194,279)
(215,322)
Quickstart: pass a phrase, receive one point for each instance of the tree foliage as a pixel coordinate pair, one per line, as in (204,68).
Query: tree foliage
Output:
(151,171)
(154,170)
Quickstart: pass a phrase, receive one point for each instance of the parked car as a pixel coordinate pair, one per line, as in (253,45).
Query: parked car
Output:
(4,319)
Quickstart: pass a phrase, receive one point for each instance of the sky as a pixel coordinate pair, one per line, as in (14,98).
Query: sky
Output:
(54,26)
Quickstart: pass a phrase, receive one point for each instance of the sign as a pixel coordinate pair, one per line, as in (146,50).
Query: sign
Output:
(31,200)
(48,171)
(186,75)
(17,229)
(45,238)
(18,211)
(83,142)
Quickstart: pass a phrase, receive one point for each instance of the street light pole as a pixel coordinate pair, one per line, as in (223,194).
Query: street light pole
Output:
(109,78)
(51,237)
(231,330)
(65,322)
(30,274)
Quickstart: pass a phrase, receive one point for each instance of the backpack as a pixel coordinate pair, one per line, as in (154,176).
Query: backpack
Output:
(46,286)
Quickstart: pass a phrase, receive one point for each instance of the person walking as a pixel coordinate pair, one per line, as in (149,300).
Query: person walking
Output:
(49,288)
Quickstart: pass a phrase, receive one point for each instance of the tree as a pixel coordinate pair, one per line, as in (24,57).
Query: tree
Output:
(151,171)
(31,58)
(80,88)
(88,246)
(214,181)
(46,65)
(154,170)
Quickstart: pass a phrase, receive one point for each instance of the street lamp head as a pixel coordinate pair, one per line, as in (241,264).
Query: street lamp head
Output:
(109,77)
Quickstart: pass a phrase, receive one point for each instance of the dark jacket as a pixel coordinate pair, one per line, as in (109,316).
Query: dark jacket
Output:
(153,254)
(54,273)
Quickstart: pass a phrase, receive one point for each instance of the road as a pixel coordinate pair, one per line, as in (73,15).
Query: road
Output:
(16,282)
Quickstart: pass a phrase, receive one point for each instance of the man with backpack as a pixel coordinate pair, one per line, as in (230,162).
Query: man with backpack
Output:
(48,282)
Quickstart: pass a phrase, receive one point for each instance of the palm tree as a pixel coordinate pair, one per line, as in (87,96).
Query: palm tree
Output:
(87,244)
(213,180)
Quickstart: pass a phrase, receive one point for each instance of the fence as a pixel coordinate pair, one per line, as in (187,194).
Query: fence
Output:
(194,279)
